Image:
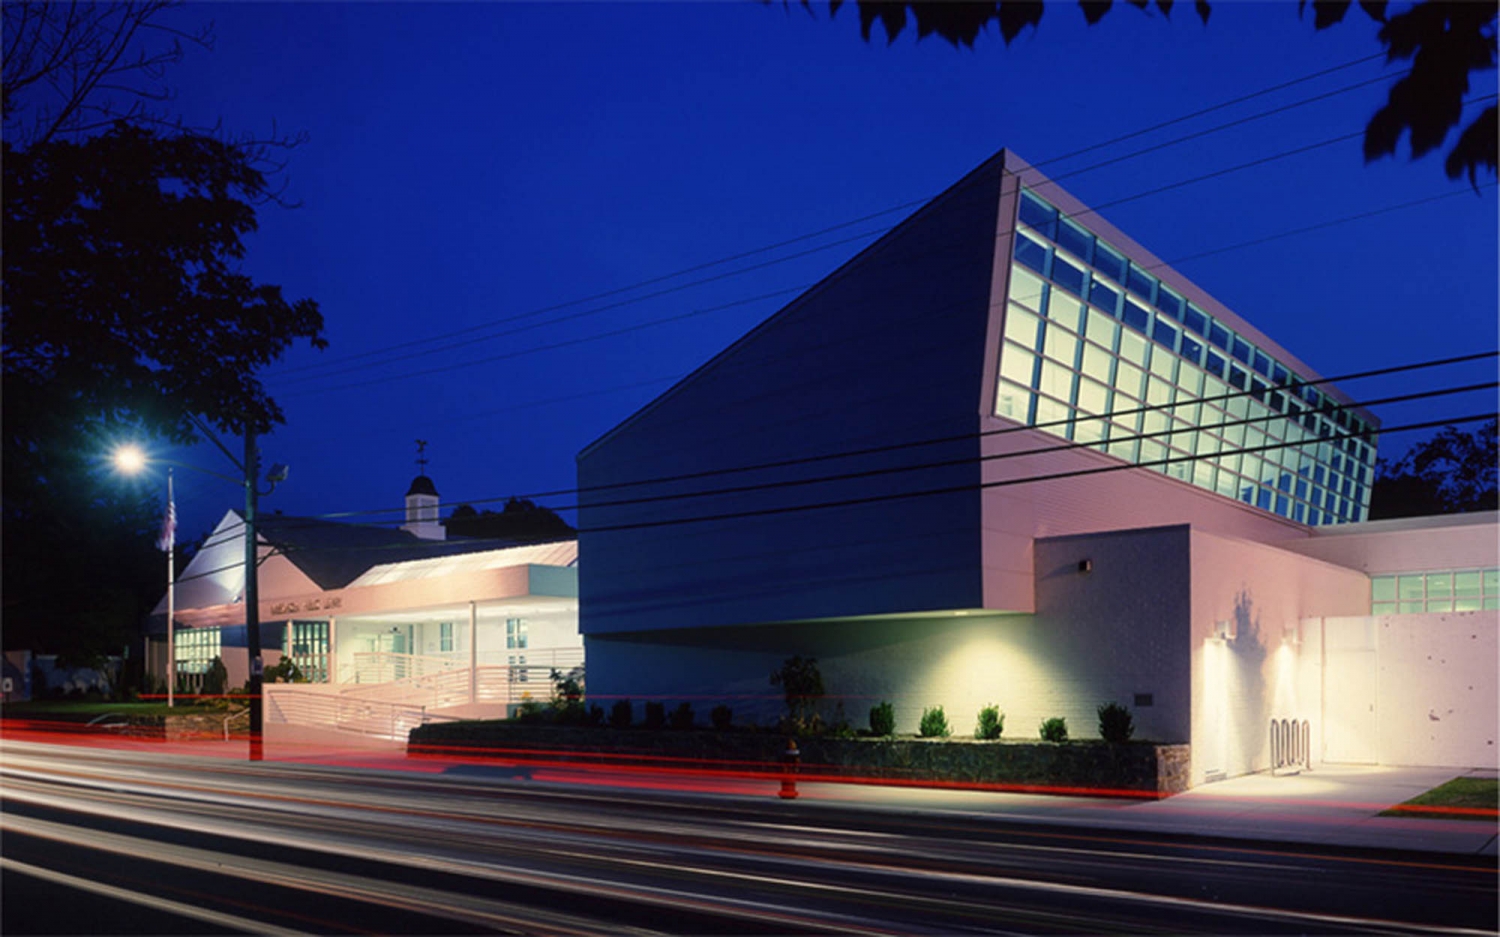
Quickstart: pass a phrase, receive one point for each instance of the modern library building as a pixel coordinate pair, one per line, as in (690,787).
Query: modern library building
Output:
(1007,456)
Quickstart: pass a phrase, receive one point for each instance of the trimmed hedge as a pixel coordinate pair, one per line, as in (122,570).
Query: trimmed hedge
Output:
(1080,767)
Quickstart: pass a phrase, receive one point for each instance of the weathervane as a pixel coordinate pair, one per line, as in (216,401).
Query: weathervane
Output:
(421,457)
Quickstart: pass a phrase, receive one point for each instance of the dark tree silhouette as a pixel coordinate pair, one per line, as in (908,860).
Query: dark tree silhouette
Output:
(76,68)
(1454,472)
(122,306)
(521,520)
(1445,40)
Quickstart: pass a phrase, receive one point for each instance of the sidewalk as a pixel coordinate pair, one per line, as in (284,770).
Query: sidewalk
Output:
(1332,805)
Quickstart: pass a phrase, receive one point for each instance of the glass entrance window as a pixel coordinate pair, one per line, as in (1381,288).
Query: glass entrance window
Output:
(308,643)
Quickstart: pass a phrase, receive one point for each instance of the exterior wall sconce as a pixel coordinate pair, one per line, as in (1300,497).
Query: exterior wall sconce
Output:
(1224,630)
(1086,566)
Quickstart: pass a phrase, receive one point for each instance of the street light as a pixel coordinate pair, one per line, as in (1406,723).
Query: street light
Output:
(129,459)
(129,455)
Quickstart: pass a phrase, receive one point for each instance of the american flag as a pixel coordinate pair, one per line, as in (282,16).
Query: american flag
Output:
(168,537)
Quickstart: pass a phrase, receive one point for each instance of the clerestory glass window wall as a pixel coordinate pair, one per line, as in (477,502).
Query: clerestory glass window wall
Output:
(1458,590)
(195,649)
(1097,350)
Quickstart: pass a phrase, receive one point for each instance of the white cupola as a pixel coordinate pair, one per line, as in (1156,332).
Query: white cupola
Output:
(422,502)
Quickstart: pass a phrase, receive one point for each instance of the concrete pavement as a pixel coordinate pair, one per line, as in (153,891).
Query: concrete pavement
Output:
(1331,805)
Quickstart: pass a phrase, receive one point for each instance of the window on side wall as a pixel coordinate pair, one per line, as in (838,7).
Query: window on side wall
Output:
(515,633)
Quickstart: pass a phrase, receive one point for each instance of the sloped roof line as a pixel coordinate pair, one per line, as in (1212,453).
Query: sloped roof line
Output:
(334,554)
(896,231)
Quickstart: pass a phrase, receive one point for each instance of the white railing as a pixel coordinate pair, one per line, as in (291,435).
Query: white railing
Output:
(305,705)
(375,667)
(385,666)
(430,683)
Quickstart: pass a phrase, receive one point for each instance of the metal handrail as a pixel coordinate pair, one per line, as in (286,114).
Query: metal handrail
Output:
(317,709)
(231,717)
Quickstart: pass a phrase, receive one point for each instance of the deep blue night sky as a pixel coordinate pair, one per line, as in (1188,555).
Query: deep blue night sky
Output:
(471,164)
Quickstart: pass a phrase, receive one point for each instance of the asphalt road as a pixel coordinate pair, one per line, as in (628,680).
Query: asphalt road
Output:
(99,841)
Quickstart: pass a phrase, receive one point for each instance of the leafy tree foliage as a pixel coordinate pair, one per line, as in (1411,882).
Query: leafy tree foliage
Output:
(802,682)
(1454,472)
(521,520)
(123,309)
(1445,40)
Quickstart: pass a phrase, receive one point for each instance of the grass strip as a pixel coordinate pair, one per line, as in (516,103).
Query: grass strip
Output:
(1458,799)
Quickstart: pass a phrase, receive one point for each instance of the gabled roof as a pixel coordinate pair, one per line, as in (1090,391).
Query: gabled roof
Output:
(333,555)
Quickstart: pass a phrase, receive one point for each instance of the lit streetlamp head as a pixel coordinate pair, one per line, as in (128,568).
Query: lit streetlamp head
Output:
(129,459)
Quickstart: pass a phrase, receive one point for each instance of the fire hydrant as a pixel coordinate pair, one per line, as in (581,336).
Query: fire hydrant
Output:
(789,760)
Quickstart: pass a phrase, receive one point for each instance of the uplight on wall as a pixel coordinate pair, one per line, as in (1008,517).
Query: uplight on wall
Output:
(1224,629)
(1291,636)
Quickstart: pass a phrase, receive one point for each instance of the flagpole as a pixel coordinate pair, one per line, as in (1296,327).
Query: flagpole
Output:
(171,593)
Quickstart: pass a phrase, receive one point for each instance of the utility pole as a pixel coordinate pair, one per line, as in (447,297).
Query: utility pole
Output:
(252,599)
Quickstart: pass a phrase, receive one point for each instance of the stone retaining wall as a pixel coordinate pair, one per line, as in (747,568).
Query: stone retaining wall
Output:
(1083,767)
(185,727)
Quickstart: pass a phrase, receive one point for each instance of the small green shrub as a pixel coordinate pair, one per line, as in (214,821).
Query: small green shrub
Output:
(216,679)
(883,719)
(286,671)
(990,724)
(722,717)
(1115,724)
(620,714)
(934,724)
(656,714)
(802,683)
(682,716)
(567,687)
(531,711)
(1054,729)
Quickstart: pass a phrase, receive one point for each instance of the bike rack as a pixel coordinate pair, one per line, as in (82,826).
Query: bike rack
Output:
(1291,744)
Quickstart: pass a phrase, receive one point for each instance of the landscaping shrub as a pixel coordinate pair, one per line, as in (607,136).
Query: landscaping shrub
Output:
(934,724)
(1054,729)
(883,719)
(1115,724)
(991,722)
(567,687)
(682,716)
(722,717)
(286,671)
(216,679)
(596,716)
(656,715)
(802,682)
(620,714)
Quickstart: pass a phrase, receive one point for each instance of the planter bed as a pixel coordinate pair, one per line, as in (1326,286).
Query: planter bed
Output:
(1091,768)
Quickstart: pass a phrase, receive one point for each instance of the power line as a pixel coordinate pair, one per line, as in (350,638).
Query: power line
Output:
(891,496)
(850,502)
(966,437)
(482,327)
(1293,232)
(452,366)
(940,440)
(1059,447)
